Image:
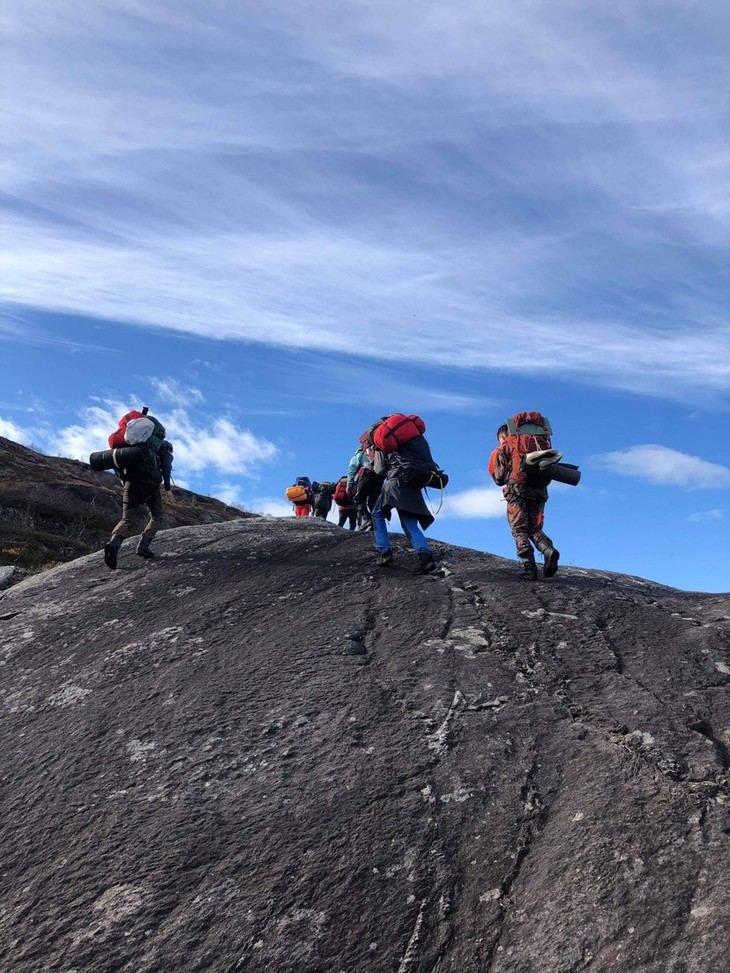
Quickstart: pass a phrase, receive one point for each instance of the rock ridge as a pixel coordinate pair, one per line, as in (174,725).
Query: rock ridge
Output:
(262,753)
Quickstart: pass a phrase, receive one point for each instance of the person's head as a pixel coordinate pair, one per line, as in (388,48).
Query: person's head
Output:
(502,433)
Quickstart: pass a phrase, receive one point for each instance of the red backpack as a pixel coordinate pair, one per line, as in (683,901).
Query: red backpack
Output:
(527,432)
(116,440)
(396,431)
(341,493)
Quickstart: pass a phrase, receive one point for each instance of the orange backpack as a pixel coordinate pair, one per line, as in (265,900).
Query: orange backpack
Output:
(527,432)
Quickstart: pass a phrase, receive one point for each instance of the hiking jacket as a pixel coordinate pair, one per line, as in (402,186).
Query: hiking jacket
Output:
(500,468)
(397,496)
(359,459)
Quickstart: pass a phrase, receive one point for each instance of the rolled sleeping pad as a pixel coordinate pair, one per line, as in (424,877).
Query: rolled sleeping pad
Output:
(115,459)
(566,473)
(543,458)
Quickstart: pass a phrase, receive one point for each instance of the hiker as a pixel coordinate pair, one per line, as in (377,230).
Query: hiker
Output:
(300,495)
(407,466)
(345,504)
(142,476)
(323,499)
(526,495)
(363,482)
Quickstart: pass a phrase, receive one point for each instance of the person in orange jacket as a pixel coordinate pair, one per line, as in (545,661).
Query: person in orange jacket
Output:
(525,513)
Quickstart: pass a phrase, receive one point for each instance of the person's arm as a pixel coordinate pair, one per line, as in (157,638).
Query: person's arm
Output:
(165,455)
(499,465)
(353,468)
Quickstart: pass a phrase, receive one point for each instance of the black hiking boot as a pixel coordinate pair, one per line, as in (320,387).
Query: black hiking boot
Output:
(426,563)
(385,559)
(550,565)
(528,568)
(143,550)
(111,550)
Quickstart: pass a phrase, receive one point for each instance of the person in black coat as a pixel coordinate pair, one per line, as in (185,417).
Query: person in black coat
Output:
(407,501)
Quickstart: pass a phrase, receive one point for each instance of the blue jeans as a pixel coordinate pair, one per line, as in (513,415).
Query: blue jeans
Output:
(410,525)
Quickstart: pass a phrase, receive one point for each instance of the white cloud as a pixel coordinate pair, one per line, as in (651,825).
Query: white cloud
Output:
(229,493)
(270,506)
(217,443)
(181,395)
(479,503)
(201,441)
(702,515)
(10,430)
(456,184)
(668,467)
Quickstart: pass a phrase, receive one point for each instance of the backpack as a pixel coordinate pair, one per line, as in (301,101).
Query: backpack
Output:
(366,438)
(135,428)
(528,432)
(397,430)
(420,475)
(341,493)
(297,493)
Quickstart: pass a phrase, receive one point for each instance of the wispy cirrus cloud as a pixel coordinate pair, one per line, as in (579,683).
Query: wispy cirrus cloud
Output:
(704,515)
(514,186)
(665,466)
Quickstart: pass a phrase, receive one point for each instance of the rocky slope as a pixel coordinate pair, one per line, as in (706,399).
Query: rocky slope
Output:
(260,753)
(53,509)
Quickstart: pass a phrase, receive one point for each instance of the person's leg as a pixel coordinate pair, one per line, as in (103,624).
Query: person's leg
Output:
(130,502)
(153,500)
(352,514)
(418,542)
(518,519)
(412,530)
(380,533)
(363,504)
(541,540)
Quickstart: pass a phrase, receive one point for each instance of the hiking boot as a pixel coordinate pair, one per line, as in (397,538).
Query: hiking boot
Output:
(550,565)
(426,563)
(366,525)
(143,550)
(528,568)
(385,559)
(111,550)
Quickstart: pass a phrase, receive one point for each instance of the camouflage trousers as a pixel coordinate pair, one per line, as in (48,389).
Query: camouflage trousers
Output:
(525,518)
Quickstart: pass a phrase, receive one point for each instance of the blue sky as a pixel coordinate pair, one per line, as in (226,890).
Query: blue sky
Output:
(274,222)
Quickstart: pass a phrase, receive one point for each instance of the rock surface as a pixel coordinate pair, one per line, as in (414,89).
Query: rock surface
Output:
(261,753)
(53,509)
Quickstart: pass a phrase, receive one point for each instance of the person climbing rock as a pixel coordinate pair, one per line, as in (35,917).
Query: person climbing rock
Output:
(323,499)
(345,504)
(149,466)
(301,497)
(525,494)
(364,483)
(404,462)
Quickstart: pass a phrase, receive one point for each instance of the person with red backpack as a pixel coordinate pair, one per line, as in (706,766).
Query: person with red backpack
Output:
(403,457)
(524,487)
(143,462)
(345,504)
